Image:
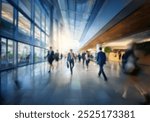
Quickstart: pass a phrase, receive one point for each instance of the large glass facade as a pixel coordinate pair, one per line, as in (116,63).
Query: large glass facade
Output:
(23,54)
(17,22)
(24,24)
(7,11)
(25,5)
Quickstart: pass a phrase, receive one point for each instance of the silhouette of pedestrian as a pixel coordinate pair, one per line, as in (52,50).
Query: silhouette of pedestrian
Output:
(50,56)
(101,60)
(70,60)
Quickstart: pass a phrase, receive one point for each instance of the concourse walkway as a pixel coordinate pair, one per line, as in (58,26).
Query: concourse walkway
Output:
(33,85)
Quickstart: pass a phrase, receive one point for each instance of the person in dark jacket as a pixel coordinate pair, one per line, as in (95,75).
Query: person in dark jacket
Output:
(61,56)
(70,60)
(79,57)
(56,56)
(83,58)
(87,58)
(50,56)
(101,60)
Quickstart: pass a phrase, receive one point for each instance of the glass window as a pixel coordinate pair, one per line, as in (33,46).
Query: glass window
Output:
(43,21)
(37,15)
(3,53)
(37,32)
(55,30)
(43,36)
(7,53)
(10,53)
(23,53)
(37,54)
(24,24)
(43,54)
(25,5)
(48,25)
(47,39)
(7,11)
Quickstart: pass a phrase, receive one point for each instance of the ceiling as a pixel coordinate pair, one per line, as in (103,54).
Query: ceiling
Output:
(86,20)
(137,22)
(76,14)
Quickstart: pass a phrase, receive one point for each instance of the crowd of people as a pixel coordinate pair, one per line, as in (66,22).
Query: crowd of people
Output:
(71,58)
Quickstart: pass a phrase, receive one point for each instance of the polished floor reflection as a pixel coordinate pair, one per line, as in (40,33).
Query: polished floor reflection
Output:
(33,84)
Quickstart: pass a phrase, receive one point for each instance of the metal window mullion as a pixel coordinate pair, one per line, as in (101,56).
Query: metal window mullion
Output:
(0,9)
(32,31)
(51,24)
(7,50)
(16,21)
(16,53)
(13,52)
(0,52)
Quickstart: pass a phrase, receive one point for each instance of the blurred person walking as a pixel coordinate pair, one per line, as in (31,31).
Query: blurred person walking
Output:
(132,70)
(79,57)
(87,59)
(101,60)
(70,60)
(50,56)
(61,56)
(83,58)
(57,58)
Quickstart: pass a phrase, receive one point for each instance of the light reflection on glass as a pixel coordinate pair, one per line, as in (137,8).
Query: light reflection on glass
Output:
(24,24)
(7,11)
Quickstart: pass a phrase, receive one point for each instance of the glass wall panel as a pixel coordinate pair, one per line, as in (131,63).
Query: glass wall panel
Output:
(55,34)
(25,5)
(43,21)
(37,14)
(47,39)
(55,31)
(23,53)
(43,36)
(4,61)
(48,25)
(37,33)
(24,24)
(7,53)
(7,11)
(43,54)
(37,54)
(10,53)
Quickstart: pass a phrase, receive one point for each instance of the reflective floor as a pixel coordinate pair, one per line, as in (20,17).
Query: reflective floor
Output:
(33,85)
